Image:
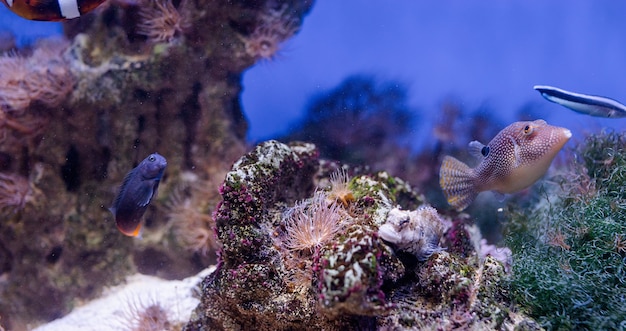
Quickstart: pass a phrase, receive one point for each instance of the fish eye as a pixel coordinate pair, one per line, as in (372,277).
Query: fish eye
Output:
(152,158)
(485,151)
(528,129)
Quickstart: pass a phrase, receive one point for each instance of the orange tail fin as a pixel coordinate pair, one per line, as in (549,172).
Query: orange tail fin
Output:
(457,182)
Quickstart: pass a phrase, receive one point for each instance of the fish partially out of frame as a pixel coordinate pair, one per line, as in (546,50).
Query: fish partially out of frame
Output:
(591,105)
(138,189)
(512,161)
(51,10)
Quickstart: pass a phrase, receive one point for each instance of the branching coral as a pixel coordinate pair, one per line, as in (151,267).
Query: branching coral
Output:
(160,21)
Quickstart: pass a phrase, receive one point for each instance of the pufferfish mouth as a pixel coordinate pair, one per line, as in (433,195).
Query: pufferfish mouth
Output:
(567,133)
(562,136)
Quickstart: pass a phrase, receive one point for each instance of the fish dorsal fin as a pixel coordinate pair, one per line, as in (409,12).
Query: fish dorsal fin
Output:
(478,149)
(122,191)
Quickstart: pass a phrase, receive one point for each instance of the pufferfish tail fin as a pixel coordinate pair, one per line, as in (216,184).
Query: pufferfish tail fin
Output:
(457,182)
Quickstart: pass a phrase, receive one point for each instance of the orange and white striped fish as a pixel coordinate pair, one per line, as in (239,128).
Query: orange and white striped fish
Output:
(513,160)
(51,10)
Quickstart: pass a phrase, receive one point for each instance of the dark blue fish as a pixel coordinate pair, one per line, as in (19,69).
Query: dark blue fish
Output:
(139,187)
(592,105)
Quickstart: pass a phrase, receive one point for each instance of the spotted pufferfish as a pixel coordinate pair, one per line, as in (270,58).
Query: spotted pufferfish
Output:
(513,160)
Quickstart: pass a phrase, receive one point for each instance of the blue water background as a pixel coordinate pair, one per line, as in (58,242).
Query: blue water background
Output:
(484,54)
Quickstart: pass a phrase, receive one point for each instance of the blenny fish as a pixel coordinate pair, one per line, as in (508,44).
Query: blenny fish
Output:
(591,105)
(417,232)
(139,187)
(51,10)
(513,160)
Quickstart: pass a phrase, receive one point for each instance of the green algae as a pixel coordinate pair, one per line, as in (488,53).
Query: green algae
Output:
(569,270)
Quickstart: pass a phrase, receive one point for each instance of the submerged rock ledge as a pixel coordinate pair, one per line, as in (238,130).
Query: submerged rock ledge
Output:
(349,279)
(344,277)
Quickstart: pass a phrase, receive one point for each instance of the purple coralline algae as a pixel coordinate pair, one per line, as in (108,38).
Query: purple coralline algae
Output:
(367,273)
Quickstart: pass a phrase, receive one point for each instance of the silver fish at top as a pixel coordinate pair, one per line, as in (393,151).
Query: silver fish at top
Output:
(591,105)
(139,187)
(513,160)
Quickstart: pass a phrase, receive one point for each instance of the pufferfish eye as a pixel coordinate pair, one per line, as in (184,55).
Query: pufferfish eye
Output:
(528,130)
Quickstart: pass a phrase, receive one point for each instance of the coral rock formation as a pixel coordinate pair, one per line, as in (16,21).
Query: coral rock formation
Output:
(76,115)
(355,279)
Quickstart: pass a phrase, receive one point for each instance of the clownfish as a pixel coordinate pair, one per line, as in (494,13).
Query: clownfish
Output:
(513,160)
(138,189)
(51,10)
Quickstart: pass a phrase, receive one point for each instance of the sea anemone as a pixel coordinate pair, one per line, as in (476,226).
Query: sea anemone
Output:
(193,224)
(44,77)
(339,187)
(194,228)
(145,316)
(311,224)
(50,85)
(160,21)
(190,208)
(273,27)
(15,193)
(14,94)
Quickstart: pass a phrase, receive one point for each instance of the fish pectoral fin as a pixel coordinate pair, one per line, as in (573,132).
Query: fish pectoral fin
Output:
(475,149)
(517,150)
(144,196)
